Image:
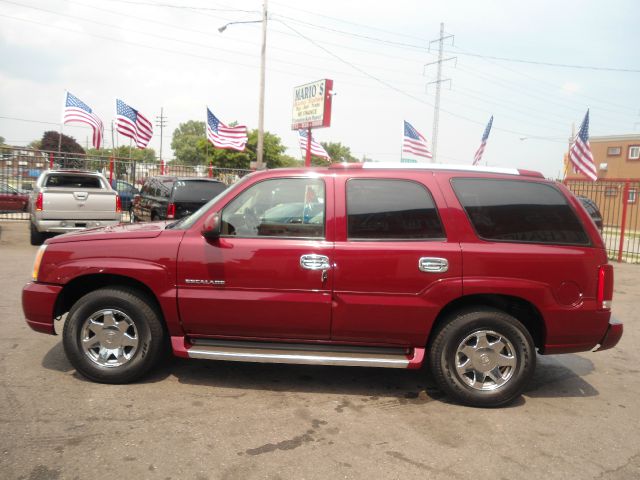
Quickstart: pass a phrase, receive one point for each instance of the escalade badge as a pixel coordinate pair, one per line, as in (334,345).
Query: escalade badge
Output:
(197,281)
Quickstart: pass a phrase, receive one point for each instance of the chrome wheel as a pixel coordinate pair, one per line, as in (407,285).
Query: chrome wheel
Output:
(485,360)
(109,338)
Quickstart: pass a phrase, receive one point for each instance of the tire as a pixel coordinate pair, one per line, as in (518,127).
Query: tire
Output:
(35,237)
(155,217)
(127,333)
(482,357)
(132,217)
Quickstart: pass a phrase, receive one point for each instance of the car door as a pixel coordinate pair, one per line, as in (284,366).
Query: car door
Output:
(268,275)
(394,265)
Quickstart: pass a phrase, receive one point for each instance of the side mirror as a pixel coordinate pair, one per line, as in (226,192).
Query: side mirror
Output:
(211,227)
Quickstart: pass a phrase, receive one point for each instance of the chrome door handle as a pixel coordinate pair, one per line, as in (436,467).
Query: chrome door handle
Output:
(314,262)
(433,265)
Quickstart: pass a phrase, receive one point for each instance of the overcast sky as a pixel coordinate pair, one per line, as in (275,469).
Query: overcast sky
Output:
(151,54)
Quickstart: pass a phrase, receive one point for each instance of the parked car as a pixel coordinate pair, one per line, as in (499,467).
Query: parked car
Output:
(592,209)
(68,200)
(469,270)
(12,199)
(126,192)
(165,197)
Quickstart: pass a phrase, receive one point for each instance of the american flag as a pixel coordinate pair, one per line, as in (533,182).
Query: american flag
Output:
(478,156)
(131,123)
(414,142)
(234,138)
(75,110)
(580,151)
(316,149)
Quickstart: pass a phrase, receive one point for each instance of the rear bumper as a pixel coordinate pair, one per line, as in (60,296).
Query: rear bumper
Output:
(38,302)
(612,336)
(65,226)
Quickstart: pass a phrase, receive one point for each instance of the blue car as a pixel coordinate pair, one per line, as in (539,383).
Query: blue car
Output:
(126,192)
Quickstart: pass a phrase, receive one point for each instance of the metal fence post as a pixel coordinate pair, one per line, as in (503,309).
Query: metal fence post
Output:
(623,221)
(50,160)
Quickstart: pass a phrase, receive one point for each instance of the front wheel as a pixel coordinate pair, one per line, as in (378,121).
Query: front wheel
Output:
(113,335)
(482,357)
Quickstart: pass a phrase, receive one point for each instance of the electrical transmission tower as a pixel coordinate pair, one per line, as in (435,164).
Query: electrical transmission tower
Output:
(438,83)
(161,121)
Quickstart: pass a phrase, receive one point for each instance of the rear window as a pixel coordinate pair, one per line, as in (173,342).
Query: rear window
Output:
(517,211)
(196,190)
(391,210)
(73,181)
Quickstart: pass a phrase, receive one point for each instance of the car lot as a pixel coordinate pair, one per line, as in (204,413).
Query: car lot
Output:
(198,419)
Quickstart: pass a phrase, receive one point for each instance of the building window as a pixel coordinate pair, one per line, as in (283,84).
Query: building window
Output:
(611,192)
(633,195)
(614,151)
(634,152)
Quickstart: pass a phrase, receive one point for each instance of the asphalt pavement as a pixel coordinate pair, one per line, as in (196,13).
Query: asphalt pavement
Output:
(197,419)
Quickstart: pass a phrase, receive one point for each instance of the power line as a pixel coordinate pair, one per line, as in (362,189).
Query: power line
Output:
(550,64)
(184,7)
(409,95)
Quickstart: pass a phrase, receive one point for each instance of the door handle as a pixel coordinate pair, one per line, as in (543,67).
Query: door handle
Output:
(313,261)
(433,264)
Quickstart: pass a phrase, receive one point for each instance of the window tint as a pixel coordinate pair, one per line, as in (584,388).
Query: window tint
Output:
(391,209)
(73,181)
(287,207)
(197,191)
(516,211)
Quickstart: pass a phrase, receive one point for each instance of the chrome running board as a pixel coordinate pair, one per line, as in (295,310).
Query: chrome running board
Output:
(307,354)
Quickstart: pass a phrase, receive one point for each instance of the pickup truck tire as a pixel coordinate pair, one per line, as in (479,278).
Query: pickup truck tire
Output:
(35,237)
(113,335)
(482,357)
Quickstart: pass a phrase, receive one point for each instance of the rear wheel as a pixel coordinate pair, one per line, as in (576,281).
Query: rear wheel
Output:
(155,217)
(36,237)
(113,335)
(482,357)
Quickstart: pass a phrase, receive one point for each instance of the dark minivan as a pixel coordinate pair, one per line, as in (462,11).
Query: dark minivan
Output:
(166,197)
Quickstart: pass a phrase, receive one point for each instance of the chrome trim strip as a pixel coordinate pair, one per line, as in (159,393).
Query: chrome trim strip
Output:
(352,358)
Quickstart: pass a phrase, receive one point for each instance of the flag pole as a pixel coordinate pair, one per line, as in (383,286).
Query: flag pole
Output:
(568,161)
(64,104)
(307,159)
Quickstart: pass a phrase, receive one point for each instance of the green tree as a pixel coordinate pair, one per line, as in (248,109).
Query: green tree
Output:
(35,144)
(273,153)
(338,152)
(1,140)
(123,159)
(186,143)
(68,147)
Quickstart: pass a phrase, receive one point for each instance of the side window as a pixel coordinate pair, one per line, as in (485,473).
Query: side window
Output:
(284,207)
(391,209)
(517,211)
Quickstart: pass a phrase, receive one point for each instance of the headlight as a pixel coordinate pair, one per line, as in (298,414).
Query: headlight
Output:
(36,263)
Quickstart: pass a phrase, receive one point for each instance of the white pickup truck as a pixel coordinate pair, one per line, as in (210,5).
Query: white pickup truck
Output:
(69,200)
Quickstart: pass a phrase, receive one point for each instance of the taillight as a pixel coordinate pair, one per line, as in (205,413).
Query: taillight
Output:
(39,202)
(118,204)
(171,211)
(605,287)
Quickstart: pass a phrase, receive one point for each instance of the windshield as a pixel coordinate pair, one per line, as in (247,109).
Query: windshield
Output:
(187,222)
(196,191)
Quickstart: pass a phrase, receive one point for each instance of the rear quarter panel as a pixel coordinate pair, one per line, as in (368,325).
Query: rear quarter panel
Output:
(559,280)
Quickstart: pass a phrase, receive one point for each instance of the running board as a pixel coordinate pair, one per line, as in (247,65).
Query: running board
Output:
(306,354)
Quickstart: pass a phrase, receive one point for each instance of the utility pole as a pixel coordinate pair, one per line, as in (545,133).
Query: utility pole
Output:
(161,121)
(263,57)
(438,82)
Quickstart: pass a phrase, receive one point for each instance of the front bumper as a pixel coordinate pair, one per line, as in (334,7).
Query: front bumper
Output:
(612,336)
(38,303)
(65,226)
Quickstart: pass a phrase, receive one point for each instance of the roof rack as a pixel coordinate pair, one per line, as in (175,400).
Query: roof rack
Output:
(436,166)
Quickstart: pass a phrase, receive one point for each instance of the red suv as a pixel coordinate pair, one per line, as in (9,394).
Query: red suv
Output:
(469,270)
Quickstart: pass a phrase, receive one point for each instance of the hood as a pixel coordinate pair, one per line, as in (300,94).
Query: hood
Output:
(120,231)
